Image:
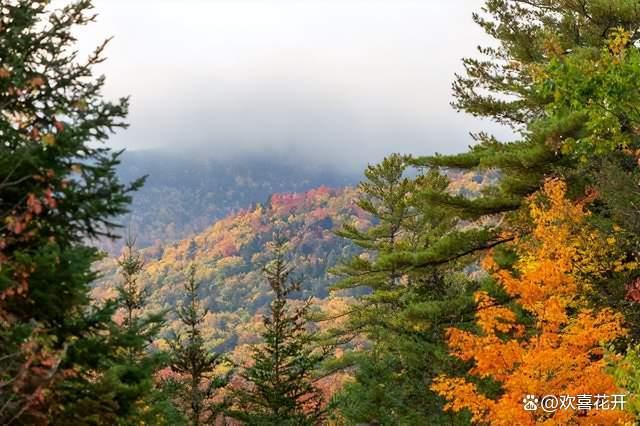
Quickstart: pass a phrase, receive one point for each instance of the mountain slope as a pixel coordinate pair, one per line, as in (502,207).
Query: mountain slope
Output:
(229,255)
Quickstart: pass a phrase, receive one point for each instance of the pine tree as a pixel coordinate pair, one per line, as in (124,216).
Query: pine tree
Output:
(404,315)
(510,85)
(386,197)
(563,75)
(132,296)
(58,190)
(197,380)
(280,387)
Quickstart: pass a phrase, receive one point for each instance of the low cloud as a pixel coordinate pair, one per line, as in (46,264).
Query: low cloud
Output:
(334,81)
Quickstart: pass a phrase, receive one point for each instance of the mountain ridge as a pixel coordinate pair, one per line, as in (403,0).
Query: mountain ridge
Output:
(184,195)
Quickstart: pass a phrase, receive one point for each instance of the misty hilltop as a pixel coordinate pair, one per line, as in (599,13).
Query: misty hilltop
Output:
(183,194)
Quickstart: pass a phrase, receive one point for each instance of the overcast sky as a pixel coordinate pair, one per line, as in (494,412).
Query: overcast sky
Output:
(344,80)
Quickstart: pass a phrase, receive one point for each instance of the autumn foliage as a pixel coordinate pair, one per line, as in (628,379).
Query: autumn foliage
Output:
(387,318)
(558,351)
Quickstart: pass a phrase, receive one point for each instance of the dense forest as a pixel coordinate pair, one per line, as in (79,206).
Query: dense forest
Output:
(498,286)
(231,253)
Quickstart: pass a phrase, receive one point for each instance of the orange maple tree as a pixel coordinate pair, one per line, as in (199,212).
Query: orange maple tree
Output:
(560,353)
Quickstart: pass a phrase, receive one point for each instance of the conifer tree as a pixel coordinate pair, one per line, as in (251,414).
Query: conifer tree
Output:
(531,32)
(510,85)
(404,316)
(140,330)
(131,294)
(197,378)
(136,332)
(387,193)
(58,190)
(563,75)
(280,387)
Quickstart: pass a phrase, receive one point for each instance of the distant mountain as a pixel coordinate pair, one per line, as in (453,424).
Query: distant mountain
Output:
(184,195)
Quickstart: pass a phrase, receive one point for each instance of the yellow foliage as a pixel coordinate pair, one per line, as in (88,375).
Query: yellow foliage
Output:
(619,41)
(463,395)
(562,354)
(49,139)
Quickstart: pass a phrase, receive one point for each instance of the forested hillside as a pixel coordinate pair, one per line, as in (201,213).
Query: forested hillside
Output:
(185,194)
(230,254)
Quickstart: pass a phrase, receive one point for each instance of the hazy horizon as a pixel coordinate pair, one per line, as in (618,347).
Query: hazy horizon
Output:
(332,81)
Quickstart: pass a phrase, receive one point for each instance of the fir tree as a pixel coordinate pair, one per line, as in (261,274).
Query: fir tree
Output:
(131,294)
(58,190)
(386,197)
(135,334)
(280,388)
(197,378)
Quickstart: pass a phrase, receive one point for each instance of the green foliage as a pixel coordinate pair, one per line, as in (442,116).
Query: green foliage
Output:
(382,394)
(279,388)
(626,371)
(500,86)
(124,359)
(131,294)
(387,198)
(58,189)
(411,299)
(563,75)
(591,94)
(555,78)
(196,380)
(139,363)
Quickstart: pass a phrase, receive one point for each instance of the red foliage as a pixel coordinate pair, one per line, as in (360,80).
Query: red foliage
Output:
(227,247)
(633,291)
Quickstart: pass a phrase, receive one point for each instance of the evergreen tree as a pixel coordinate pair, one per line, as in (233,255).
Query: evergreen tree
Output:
(138,358)
(131,294)
(509,85)
(58,190)
(197,380)
(531,32)
(280,388)
(404,315)
(563,75)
